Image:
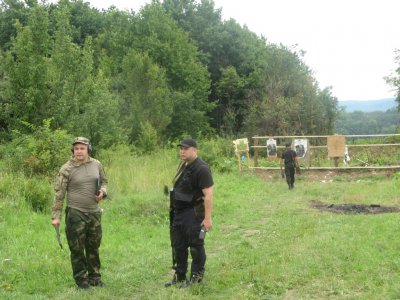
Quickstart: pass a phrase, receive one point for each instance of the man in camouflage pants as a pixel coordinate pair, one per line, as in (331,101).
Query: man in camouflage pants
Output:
(83,179)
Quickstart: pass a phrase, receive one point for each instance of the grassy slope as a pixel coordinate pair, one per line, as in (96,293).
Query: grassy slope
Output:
(267,243)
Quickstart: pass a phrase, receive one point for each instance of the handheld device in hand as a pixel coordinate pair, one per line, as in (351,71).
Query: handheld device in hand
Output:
(202,234)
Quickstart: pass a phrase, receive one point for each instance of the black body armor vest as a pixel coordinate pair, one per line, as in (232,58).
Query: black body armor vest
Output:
(185,194)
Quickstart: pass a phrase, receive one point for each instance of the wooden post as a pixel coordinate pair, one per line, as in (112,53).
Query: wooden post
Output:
(239,161)
(336,161)
(248,159)
(255,152)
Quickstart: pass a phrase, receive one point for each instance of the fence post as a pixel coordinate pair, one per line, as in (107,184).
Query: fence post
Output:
(255,152)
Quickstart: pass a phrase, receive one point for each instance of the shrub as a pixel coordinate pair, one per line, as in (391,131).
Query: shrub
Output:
(148,138)
(42,152)
(38,194)
(18,191)
(218,153)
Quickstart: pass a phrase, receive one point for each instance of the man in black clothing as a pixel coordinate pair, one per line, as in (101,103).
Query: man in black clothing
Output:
(192,197)
(289,159)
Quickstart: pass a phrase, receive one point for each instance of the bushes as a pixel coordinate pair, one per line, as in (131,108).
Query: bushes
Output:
(28,162)
(17,190)
(40,153)
(38,194)
(218,153)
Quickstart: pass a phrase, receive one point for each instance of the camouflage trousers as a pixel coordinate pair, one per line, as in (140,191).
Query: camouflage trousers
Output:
(84,234)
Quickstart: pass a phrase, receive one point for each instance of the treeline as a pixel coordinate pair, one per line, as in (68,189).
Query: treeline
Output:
(376,122)
(174,68)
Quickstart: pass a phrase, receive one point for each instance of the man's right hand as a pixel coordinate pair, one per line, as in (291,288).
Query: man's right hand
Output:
(55,222)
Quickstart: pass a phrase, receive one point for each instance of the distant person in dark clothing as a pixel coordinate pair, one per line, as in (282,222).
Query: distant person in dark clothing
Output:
(290,161)
(192,197)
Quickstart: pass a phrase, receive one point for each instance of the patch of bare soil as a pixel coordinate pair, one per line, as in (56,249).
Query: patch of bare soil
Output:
(354,208)
(250,232)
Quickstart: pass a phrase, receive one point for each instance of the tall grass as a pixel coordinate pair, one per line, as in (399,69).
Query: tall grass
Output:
(267,242)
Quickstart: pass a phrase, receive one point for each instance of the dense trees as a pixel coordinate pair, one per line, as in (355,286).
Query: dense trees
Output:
(175,68)
(375,122)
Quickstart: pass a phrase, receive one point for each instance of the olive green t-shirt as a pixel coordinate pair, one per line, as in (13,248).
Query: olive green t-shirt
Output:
(82,186)
(80,182)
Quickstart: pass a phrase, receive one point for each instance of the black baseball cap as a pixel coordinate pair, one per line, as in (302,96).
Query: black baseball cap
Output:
(187,143)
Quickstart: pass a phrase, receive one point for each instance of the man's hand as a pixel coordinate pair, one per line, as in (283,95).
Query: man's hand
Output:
(298,170)
(283,174)
(55,222)
(207,223)
(100,196)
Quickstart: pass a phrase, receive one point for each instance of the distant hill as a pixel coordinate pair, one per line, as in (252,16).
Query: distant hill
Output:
(368,106)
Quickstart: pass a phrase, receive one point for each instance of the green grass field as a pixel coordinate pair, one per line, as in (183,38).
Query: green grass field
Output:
(267,242)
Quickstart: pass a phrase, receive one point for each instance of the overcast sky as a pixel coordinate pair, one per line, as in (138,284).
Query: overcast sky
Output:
(349,44)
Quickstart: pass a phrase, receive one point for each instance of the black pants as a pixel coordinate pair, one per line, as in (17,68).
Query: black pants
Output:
(185,234)
(289,173)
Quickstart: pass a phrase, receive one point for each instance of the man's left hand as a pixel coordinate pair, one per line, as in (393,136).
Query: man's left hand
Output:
(207,224)
(100,196)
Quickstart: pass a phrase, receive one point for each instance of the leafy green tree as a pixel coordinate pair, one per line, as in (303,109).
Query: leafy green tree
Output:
(172,69)
(91,110)
(26,68)
(146,98)
(12,11)
(329,111)
(286,100)
(169,47)
(201,20)
(229,90)
(86,21)
(276,102)
(113,43)
(56,79)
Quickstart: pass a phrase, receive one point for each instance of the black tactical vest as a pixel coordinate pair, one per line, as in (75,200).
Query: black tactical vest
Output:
(185,194)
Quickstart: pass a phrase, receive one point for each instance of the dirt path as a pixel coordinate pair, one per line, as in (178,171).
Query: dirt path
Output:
(327,175)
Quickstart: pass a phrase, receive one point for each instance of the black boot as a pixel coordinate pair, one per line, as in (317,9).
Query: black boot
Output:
(196,278)
(183,284)
(84,285)
(171,282)
(97,283)
(180,281)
